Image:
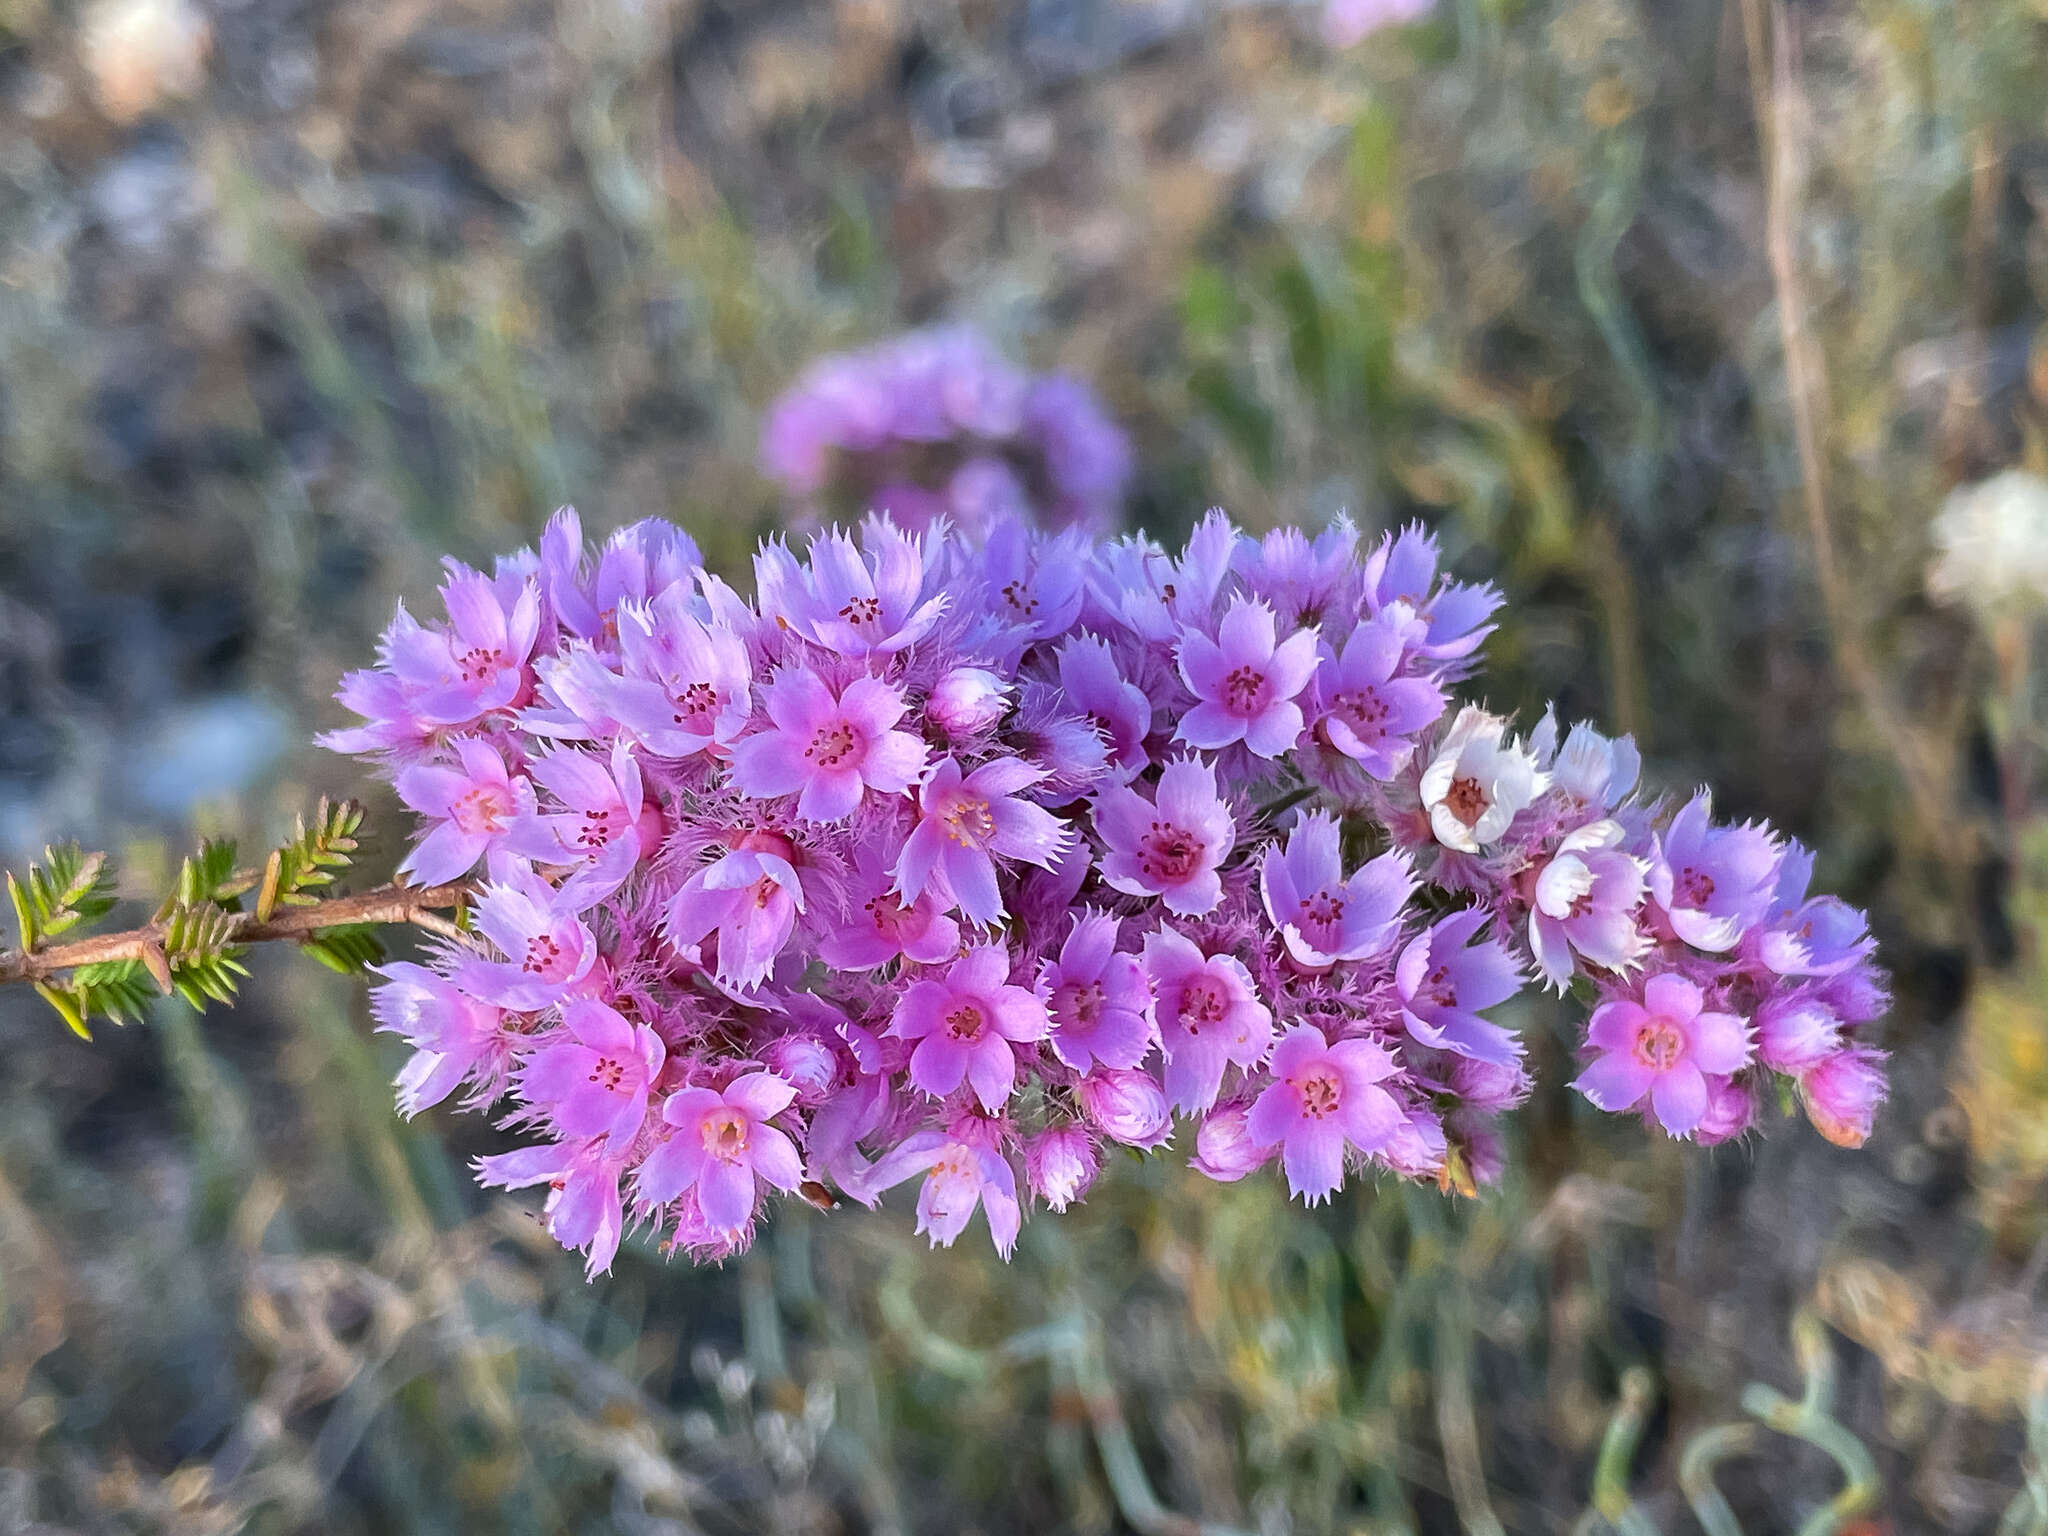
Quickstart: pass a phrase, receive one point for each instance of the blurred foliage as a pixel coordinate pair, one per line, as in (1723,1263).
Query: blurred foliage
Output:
(1676,319)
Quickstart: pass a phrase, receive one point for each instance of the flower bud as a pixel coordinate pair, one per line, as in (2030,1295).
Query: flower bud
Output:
(1224,1149)
(1416,1149)
(805,1061)
(1489,1086)
(1794,1032)
(967,700)
(1486,1156)
(1857,995)
(1125,1106)
(1731,1110)
(1060,1164)
(1842,1093)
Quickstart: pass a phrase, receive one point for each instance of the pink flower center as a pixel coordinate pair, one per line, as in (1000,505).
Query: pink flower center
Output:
(1322,911)
(1696,886)
(601,826)
(1467,800)
(888,914)
(968,822)
(1202,1005)
(1658,1044)
(483,809)
(1364,711)
(1437,989)
(1170,854)
(608,1074)
(1320,1089)
(724,1132)
(1020,598)
(832,746)
(479,662)
(862,610)
(695,702)
(964,1021)
(1243,688)
(543,955)
(1078,1003)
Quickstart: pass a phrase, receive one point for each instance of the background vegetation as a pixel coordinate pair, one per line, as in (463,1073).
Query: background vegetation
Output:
(1679,318)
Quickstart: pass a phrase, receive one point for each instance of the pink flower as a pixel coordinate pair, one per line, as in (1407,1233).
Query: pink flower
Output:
(1245,683)
(751,897)
(1322,1098)
(583,1210)
(827,750)
(1125,1106)
(965,822)
(1322,917)
(1796,1031)
(1663,1046)
(1097,999)
(1060,1163)
(1585,903)
(1403,571)
(966,702)
(605,818)
(595,1083)
(452,1033)
(476,665)
(962,1172)
(1445,981)
(1713,883)
(964,1025)
(687,686)
(536,926)
(1094,686)
(1209,1015)
(1368,713)
(1224,1149)
(1171,846)
(880,928)
(853,602)
(1842,1094)
(472,808)
(719,1144)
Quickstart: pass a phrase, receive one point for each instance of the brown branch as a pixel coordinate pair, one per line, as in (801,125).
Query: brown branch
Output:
(416,905)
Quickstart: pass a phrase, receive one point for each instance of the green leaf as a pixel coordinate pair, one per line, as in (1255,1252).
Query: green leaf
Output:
(208,876)
(349,949)
(69,887)
(299,869)
(24,913)
(118,989)
(67,1008)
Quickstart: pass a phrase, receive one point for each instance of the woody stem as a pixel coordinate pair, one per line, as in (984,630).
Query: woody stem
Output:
(417,905)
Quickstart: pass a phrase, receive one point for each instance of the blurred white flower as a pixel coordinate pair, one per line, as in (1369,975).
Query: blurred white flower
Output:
(140,51)
(1991,540)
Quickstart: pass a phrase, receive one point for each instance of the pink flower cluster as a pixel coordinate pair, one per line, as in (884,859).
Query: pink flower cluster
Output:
(936,424)
(965,860)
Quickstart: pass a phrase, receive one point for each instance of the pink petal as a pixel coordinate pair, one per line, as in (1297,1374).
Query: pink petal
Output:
(992,1069)
(775,1157)
(1680,1098)
(725,1194)
(1615,1082)
(1314,1160)
(760,1095)
(1720,1043)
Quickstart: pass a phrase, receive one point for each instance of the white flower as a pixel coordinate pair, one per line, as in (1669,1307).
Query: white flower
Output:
(1595,771)
(1992,539)
(1478,780)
